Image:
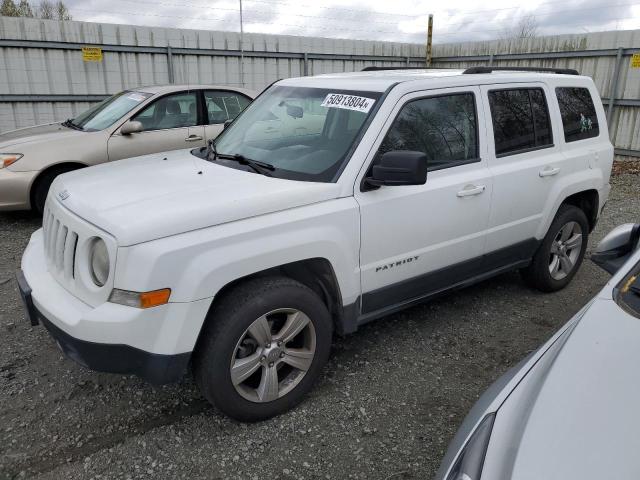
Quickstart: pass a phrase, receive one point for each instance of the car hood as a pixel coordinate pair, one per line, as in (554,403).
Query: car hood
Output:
(40,133)
(582,420)
(155,196)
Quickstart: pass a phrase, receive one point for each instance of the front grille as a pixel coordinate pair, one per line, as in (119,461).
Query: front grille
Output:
(60,245)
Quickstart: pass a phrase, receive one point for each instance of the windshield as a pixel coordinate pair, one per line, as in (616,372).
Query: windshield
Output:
(109,111)
(305,133)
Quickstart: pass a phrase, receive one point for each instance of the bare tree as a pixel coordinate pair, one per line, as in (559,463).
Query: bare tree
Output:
(47,10)
(527,27)
(24,9)
(62,11)
(8,9)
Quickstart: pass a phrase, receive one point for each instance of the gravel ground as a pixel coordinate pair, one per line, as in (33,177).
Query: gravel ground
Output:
(386,406)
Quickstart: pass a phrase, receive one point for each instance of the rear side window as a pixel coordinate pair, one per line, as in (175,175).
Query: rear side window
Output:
(578,113)
(444,128)
(520,120)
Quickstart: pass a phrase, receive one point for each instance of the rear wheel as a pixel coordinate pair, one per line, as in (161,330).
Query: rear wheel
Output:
(264,345)
(561,252)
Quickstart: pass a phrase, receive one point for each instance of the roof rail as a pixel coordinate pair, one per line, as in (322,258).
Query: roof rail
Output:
(563,71)
(375,69)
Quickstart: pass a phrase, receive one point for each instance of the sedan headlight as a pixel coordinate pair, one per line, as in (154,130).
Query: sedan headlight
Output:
(7,159)
(99,262)
(468,465)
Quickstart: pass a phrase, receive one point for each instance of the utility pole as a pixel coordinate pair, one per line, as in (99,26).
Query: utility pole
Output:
(429,40)
(241,47)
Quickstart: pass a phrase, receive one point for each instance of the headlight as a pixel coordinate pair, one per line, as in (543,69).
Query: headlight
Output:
(99,262)
(7,159)
(469,464)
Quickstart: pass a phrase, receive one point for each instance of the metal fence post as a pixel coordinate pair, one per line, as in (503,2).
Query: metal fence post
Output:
(408,59)
(305,60)
(491,60)
(170,64)
(613,93)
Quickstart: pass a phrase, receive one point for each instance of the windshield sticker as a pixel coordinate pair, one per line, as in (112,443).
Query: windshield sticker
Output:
(349,102)
(136,97)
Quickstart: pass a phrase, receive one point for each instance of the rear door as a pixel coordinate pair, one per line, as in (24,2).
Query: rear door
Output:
(418,239)
(172,122)
(525,162)
(221,106)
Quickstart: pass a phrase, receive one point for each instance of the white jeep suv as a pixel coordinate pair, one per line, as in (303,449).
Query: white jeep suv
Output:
(329,202)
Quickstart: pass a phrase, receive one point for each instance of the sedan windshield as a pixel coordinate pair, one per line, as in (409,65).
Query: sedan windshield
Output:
(109,111)
(304,133)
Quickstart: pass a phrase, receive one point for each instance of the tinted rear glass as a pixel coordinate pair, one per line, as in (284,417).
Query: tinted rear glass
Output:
(520,120)
(578,112)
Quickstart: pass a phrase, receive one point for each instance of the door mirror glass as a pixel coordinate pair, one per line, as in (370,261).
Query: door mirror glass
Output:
(402,167)
(616,247)
(132,126)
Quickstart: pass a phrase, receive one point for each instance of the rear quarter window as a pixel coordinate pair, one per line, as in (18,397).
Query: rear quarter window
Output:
(579,119)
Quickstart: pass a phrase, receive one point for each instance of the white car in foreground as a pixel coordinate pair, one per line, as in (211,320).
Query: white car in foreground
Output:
(329,202)
(569,410)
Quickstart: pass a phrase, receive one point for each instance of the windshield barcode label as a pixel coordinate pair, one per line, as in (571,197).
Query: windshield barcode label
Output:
(349,102)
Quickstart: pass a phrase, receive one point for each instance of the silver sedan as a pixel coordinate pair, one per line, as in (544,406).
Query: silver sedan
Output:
(570,409)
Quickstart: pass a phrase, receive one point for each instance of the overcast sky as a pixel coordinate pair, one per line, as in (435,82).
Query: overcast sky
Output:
(398,20)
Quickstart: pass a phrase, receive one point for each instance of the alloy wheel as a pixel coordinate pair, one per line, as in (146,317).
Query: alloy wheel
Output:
(273,355)
(565,250)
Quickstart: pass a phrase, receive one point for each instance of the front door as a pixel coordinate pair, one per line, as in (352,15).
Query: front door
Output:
(420,239)
(170,123)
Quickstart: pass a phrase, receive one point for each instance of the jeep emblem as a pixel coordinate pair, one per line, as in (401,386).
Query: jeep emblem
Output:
(63,195)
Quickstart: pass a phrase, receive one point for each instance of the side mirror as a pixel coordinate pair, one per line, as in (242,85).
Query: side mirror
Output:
(132,126)
(401,167)
(616,247)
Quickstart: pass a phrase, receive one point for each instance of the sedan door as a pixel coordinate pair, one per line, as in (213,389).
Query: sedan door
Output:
(417,240)
(171,122)
(221,106)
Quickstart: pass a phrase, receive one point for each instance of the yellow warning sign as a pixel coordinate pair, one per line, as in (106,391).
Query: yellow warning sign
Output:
(92,54)
(635,60)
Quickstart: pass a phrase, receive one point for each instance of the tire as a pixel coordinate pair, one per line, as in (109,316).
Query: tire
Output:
(555,264)
(41,188)
(281,304)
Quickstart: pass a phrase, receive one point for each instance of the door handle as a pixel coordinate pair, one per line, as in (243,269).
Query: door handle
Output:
(470,190)
(549,171)
(193,138)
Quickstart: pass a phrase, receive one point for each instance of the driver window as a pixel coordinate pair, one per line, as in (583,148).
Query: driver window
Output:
(171,111)
(443,127)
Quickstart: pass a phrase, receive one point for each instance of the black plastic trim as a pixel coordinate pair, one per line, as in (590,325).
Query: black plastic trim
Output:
(400,295)
(561,71)
(106,357)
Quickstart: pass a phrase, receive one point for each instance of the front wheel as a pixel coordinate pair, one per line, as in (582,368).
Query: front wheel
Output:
(561,252)
(264,345)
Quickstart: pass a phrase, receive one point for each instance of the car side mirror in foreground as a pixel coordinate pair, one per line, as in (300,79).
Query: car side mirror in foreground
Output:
(616,247)
(132,126)
(400,167)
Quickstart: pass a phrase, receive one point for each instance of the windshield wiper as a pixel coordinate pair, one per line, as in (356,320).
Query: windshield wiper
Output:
(69,123)
(256,165)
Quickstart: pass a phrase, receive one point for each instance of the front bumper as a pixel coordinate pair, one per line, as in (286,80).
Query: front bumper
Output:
(154,343)
(15,188)
(104,357)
